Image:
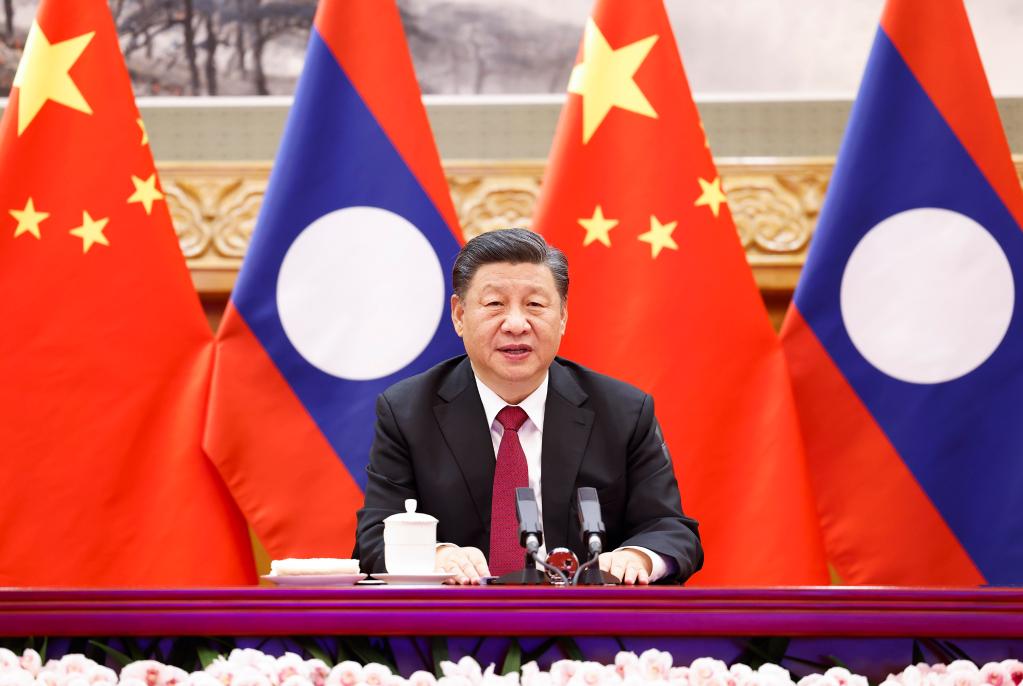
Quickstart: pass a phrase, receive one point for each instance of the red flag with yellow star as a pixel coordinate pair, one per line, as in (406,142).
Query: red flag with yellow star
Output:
(106,356)
(662,296)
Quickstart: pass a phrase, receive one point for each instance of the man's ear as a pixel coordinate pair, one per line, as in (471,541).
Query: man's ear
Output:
(564,317)
(457,312)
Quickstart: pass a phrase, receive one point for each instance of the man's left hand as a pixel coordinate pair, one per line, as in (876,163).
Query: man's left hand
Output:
(631,566)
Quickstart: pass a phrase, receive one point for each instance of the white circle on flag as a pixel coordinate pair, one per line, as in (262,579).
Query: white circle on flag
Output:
(927,295)
(360,293)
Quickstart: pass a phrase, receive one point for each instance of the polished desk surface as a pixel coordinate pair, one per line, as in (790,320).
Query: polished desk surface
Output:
(521,611)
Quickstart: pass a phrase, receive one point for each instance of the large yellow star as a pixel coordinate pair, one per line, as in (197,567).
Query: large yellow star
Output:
(659,236)
(604,78)
(91,231)
(711,195)
(598,227)
(145,192)
(28,219)
(43,75)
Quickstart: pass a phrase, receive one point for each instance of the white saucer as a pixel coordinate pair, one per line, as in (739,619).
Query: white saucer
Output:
(314,579)
(429,579)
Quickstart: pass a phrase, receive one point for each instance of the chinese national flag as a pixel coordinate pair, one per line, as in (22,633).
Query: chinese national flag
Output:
(105,358)
(662,296)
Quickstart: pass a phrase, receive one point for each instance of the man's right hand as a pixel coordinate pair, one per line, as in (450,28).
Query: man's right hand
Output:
(466,565)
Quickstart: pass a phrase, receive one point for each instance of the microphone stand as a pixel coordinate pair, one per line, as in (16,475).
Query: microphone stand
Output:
(530,538)
(589,574)
(592,529)
(529,575)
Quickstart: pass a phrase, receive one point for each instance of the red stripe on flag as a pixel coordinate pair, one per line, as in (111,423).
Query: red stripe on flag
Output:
(380,68)
(288,481)
(952,75)
(879,526)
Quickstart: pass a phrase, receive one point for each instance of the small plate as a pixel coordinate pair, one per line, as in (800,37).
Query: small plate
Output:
(430,579)
(314,579)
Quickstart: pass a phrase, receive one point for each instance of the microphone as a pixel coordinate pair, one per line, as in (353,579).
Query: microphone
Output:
(591,524)
(594,535)
(530,531)
(530,538)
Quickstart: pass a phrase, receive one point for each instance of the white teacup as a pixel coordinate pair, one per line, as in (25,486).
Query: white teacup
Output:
(410,541)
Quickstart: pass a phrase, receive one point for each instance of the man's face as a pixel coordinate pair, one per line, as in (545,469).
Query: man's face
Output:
(511,321)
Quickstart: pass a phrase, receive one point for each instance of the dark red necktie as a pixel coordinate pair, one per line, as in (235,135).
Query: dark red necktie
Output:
(506,555)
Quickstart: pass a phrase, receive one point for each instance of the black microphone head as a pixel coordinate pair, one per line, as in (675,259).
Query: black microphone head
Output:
(528,516)
(587,494)
(591,523)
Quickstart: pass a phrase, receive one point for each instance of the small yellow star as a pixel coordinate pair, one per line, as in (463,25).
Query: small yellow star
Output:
(711,195)
(598,227)
(28,219)
(145,192)
(145,134)
(43,75)
(604,78)
(91,231)
(659,236)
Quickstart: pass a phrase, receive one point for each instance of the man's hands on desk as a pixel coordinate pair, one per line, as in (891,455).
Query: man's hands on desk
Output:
(631,566)
(468,565)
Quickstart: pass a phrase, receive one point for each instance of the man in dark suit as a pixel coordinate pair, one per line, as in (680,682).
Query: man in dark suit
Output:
(552,424)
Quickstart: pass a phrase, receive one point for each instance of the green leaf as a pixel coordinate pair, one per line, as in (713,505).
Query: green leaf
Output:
(184,652)
(206,655)
(116,655)
(513,658)
(760,650)
(571,648)
(837,662)
(343,654)
(220,645)
(310,646)
(365,652)
(134,648)
(439,653)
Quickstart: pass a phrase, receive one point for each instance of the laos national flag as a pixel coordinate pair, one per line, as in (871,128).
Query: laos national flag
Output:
(343,291)
(906,336)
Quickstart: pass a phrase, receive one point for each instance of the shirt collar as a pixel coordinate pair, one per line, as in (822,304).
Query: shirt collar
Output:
(534,405)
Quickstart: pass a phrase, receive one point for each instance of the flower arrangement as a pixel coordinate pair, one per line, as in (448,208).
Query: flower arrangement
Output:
(248,667)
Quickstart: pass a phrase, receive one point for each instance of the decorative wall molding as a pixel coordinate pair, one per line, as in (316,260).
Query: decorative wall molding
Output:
(214,207)
(774,201)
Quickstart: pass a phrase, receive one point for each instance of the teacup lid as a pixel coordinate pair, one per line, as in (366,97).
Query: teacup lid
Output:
(410,516)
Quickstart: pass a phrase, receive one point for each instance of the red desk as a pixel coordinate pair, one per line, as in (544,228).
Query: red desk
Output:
(448,611)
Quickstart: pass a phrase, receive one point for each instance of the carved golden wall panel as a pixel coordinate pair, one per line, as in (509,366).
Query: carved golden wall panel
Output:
(775,204)
(214,208)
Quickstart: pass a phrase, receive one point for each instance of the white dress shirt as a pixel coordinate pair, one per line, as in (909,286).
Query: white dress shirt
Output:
(531,439)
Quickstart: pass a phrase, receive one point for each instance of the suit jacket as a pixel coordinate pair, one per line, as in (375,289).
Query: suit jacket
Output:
(433,444)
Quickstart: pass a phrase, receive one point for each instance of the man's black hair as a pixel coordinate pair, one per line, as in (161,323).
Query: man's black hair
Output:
(515,246)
